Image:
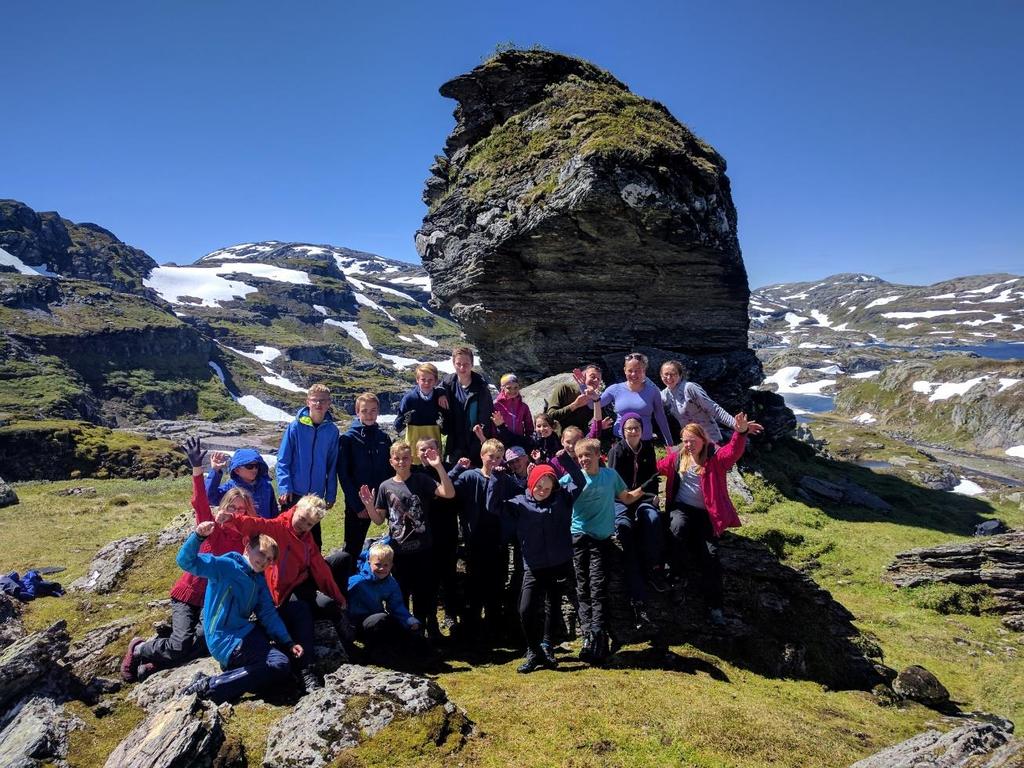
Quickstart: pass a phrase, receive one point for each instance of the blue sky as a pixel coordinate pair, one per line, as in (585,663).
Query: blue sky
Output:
(874,137)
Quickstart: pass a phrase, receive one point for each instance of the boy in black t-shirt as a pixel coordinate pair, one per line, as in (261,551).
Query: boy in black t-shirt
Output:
(404,502)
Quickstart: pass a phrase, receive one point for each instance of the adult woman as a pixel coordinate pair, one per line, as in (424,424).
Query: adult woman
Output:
(688,403)
(637,394)
(698,503)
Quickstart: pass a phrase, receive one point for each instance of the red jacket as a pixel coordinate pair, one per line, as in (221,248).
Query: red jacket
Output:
(712,481)
(298,558)
(190,588)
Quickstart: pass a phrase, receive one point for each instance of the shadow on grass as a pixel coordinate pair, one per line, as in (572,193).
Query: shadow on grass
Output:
(656,657)
(913,505)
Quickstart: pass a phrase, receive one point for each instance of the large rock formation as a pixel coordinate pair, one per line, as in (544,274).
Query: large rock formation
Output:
(571,218)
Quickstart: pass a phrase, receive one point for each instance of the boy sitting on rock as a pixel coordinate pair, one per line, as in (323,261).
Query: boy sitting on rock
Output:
(235,589)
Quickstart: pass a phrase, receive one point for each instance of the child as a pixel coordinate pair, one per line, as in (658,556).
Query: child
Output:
(294,579)
(593,522)
(638,526)
(420,411)
(404,502)
(570,436)
(513,424)
(543,516)
(483,493)
(545,443)
(471,406)
(378,612)
(235,590)
(362,460)
(308,456)
(697,500)
(186,641)
(247,470)
(444,530)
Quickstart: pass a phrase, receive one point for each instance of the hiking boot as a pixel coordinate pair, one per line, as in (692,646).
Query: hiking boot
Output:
(130,662)
(310,681)
(145,670)
(716,617)
(642,619)
(548,654)
(200,686)
(533,662)
(658,582)
(587,649)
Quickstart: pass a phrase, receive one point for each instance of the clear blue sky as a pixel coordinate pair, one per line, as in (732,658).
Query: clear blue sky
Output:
(882,137)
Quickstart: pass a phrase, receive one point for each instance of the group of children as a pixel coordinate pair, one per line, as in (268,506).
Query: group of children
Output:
(508,486)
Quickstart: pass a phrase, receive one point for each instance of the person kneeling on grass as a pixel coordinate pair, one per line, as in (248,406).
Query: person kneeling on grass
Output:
(235,589)
(378,613)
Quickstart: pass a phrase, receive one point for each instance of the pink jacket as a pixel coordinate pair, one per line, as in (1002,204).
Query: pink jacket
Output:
(516,414)
(712,482)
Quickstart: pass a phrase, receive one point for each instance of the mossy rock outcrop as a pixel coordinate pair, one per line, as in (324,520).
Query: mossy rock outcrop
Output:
(570,217)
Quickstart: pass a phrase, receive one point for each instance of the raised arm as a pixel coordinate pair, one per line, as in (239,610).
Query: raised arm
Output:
(730,453)
(445,490)
(189,558)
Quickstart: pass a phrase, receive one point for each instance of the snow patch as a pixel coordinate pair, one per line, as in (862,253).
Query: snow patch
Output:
(944,391)
(425,340)
(366,301)
(968,487)
(262,354)
(930,313)
(10,260)
(321,309)
(209,285)
(1017,451)
(821,317)
(883,301)
(785,379)
(1005,384)
(907,326)
(353,330)
(975,323)
(252,404)
(422,282)
(277,380)
(865,375)
(942,296)
(864,418)
(990,288)
(400,363)
(794,319)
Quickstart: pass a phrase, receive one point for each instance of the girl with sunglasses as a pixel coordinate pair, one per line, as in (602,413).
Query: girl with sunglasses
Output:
(246,470)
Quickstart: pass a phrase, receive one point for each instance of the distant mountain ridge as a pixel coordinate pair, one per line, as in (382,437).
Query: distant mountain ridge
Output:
(854,308)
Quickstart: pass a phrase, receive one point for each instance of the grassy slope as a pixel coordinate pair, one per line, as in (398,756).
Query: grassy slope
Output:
(712,715)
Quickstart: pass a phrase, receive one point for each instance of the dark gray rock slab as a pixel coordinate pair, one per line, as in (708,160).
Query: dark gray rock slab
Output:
(972,745)
(185,733)
(35,732)
(918,684)
(846,492)
(11,628)
(160,687)
(7,495)
(109,564)
(27,660)
(90,655)
(355,703)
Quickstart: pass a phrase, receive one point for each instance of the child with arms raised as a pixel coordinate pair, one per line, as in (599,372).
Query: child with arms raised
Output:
(246,470)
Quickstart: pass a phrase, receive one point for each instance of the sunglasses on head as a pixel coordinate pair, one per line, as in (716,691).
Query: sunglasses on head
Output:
(251,465)
(634,356)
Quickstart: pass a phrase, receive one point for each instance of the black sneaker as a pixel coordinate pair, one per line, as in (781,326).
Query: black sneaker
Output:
(533,662)
(310,681)
(548,654)
(200,686)
(587,649)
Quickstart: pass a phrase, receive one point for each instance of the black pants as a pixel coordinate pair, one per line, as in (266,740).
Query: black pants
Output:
(486,570)
(694,543)
(414,572)
(254,666)
(355,532)
(543,587)
(186,642)
(444,528)
(305,604)
(389,643)
(591,557)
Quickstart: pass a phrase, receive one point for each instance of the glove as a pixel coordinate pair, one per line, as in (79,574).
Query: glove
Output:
(193,448)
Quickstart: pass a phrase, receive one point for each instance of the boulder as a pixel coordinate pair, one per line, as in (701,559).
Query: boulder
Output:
(972,745)
(109,563)
(27,660)
(11,628)
(846,492)
(561,194)
(356,703)
(996,561)
(35,733)
(160,687)
(90,655)
(918,684)
(185,733)
(7,495)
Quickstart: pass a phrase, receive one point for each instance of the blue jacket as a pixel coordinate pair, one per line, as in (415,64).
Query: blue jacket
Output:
(233,592)
(542,527)
(308,457)
(261,490)
(418,411)
(363,458)
(368,595)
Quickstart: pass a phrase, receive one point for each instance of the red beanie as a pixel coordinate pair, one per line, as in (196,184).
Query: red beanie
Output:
(537,473)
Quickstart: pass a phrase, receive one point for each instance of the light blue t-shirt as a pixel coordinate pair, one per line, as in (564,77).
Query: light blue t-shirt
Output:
(593,513)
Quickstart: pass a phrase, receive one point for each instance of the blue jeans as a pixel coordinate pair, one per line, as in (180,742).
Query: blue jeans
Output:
(253,666)
(639,531)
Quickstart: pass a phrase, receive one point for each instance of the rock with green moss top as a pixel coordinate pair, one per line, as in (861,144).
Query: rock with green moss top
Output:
(561,194)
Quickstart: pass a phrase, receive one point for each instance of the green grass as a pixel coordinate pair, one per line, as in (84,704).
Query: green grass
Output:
(715,714)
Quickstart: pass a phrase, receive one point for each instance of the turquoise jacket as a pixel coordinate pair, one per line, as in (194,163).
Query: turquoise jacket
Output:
(233,593)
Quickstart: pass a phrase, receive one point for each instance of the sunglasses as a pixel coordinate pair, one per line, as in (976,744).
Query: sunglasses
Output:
(634,356)
(252,465)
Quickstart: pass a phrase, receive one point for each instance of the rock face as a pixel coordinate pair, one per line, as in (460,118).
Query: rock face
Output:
(185,732)
(996,561)
(974,745)
(36,733)
(356,703)
(28,659)
(110,562)
(563,197)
